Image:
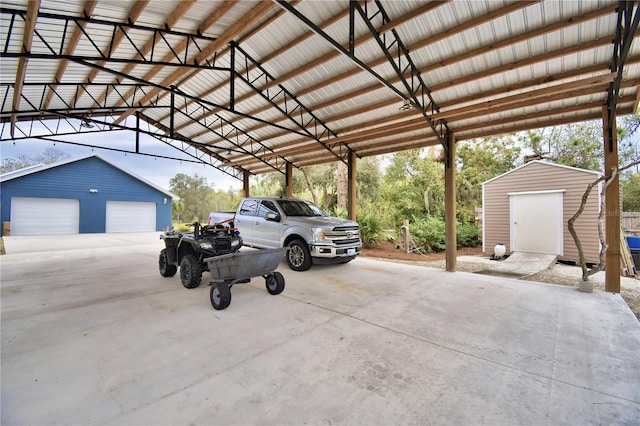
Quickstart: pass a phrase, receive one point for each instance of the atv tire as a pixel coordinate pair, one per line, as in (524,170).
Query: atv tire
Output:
(166,270)
(190,271)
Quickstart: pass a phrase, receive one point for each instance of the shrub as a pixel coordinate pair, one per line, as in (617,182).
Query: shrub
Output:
(371,230)
(468,235)
(429,233)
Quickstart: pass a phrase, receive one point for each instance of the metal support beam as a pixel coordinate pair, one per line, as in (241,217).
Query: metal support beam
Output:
(255,76)
(128,34)
(612,204)
(450,202)
(351,186)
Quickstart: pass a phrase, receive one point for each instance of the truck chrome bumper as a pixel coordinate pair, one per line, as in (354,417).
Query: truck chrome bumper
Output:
(333,251)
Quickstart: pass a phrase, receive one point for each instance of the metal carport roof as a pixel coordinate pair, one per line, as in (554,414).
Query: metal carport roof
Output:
(249,86)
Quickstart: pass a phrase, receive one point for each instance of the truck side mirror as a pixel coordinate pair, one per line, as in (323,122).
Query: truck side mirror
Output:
(273,217)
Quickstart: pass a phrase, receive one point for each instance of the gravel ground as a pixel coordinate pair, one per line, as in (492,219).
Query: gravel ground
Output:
(558,274)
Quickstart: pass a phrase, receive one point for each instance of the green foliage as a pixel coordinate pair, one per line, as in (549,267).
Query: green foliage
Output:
(269,185)
(413,186)
(197,198)
(468,235)
(576,145)
(631,193)
(338,212)
(479,161)
(371,230)
(429,233)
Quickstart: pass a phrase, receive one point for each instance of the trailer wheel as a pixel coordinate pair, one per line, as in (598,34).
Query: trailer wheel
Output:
(190,271)
(220,296)
(274,283)
(166,270)
(298,256)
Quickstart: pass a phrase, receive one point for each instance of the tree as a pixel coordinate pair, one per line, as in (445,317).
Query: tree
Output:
(413,185)
(631,193)
(576,145)
(50,155)
(195,195)
(479,161)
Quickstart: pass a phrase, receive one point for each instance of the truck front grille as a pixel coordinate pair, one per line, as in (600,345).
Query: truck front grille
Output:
(344,235)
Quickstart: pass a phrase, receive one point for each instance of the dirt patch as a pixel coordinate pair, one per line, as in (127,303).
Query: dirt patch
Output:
(559,274)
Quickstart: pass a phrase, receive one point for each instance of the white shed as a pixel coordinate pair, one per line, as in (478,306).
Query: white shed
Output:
(527,209)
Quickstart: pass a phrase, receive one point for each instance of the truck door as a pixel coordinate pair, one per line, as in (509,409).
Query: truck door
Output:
(266,233)
(245,220)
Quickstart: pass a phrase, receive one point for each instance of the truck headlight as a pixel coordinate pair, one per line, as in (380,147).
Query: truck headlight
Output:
(318,234)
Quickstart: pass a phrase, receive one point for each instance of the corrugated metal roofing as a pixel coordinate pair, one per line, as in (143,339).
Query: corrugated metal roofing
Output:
(491,67)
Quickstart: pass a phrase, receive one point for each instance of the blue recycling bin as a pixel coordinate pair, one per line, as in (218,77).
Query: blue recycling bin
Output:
(633,242)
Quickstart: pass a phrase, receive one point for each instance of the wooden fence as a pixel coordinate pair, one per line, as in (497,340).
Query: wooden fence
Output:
(630,222)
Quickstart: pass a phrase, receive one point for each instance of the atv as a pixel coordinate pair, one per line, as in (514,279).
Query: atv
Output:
(188,250)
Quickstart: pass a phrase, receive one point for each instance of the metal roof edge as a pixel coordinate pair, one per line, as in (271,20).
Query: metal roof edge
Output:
(41,167)
(545,163)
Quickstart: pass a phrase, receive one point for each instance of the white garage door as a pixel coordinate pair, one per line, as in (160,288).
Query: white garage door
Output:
(39,216)
(129,216)
(536,222)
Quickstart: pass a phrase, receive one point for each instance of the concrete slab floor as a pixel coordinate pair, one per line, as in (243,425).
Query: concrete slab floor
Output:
(97,336)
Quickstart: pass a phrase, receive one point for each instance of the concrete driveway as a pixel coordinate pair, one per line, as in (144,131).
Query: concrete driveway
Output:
(94,335)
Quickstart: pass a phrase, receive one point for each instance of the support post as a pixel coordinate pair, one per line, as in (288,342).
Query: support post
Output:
(288,180)
(450,202)
(612,204)
(245,183)
(351,186)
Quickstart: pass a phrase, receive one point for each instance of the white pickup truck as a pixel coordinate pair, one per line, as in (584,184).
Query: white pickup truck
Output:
(311,234)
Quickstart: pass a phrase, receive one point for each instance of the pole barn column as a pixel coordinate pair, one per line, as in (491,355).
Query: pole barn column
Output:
(450,203)
(612,204)
(351,186)
(245,183)
(288,180)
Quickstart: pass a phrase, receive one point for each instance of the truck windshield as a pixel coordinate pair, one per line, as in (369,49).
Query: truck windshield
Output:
(300,208)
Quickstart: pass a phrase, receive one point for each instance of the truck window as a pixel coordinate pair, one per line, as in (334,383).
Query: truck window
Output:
(249,208)
(296,208)
(266,207)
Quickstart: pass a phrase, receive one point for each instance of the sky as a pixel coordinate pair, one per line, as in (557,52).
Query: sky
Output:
(156,170)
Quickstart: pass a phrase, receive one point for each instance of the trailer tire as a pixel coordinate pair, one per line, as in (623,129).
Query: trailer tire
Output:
(166,269)
(274,283)
(298,256)
(190,271)
(220,296)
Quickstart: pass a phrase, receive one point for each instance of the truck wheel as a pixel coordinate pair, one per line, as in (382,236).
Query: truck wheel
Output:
(274,283)
(190,271)
(220,296)
(298,256)
(166,270)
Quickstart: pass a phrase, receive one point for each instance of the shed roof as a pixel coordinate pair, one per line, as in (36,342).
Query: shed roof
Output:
(26,171)
(249,86)
(545,163)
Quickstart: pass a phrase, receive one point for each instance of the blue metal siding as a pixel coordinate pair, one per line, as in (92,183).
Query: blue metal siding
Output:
(74,180)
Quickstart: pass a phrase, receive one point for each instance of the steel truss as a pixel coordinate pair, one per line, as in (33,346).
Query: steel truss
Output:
(626,28)
(44,48)
(264,84)
(374,16)
(36,99)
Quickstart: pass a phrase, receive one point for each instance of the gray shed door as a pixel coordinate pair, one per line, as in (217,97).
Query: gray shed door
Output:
(40,216)
(536,222)
(130,216)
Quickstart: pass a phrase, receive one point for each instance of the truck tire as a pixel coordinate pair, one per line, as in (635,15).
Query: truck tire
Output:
(220,296)
(166,270)
(274,283)
(190,271)
(298,256)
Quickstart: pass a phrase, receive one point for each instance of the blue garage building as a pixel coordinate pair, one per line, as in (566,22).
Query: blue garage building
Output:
(88,194)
